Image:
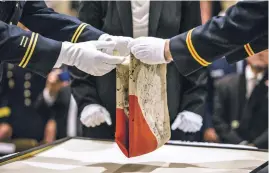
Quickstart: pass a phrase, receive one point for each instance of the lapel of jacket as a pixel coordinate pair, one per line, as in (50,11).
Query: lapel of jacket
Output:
(125,14)
(155,10)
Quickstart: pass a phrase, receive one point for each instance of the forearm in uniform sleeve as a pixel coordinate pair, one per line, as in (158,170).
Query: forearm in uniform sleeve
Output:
(194,96)
(28,49)
(45,21)
(249,49)
(202,45)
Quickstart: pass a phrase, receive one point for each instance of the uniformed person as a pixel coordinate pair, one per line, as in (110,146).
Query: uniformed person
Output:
(244,26)
(19,91)
(45,47)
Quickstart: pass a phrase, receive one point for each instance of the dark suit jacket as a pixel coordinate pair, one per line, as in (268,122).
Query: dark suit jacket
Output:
(166,19)
(59,110)
(252,114)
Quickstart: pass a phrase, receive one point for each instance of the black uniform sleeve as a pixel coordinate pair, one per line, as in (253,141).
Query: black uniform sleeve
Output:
(244,22)
(195,92)
(41,19)
(27,49)
(255,46)
(194,95)
(223,129)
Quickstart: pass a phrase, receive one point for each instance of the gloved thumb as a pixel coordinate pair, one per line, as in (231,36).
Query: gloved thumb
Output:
(106,115)
(110,59)
(176,123)
(104,44)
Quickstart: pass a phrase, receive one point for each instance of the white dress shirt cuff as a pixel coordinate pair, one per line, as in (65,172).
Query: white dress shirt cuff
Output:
(48,98)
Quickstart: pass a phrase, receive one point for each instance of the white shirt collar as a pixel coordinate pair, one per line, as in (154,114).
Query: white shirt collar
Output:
(250,75)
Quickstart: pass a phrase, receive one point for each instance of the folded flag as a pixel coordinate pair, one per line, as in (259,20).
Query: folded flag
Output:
(142,119)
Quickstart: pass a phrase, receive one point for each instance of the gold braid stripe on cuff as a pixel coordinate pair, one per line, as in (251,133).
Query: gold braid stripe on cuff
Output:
(193,52)
(29,52)
(248,49)
(78,32)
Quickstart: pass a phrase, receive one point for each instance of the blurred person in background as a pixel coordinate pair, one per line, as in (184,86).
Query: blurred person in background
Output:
(241,104)
(56,100)
(27,112)
(64,7)
(96,96)
(19,91)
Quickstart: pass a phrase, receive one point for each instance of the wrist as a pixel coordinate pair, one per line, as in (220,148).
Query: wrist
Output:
(66,55)
(49,99)
(167,54)
(52,93)
(105,37)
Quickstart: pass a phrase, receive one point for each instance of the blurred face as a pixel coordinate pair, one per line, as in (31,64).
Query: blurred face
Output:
(259,61)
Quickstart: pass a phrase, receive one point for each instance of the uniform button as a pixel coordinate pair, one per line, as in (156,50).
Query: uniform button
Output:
(9,74)
(11,83)
(27,102)
(17,5)
(27,76)
(27,84)
(10,66)
(235,124)
(27,93)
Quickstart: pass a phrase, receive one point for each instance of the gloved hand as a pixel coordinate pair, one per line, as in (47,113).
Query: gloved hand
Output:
(187,122)
(121,44)
(94,115)
(87,57)
(149,50)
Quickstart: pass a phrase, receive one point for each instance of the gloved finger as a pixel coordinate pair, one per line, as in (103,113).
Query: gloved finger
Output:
(138,49)
(176,123)
(107,117)
(97,119)
(105,69)
(136,41)
(101,118)
(104,44)
(132,43)
(142,55)
(84,118)
(189,128)
(89,122)
(110,59)
(108,51)
(123,42)
(183,126)
(198,127)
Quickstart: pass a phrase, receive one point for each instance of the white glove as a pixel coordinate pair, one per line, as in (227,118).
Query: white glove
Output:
(94,115)
(187,122)
(87,58)
(121,44)
(149,50)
